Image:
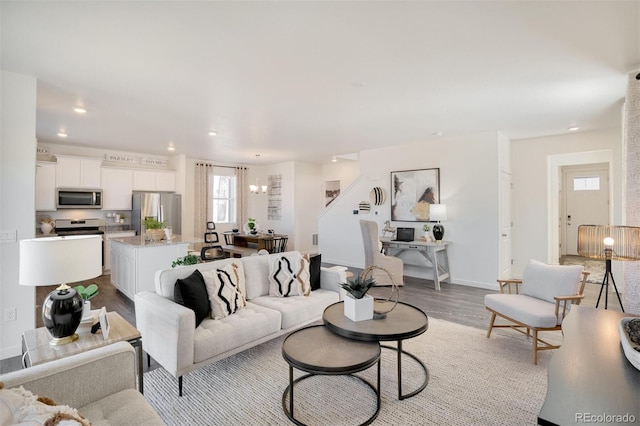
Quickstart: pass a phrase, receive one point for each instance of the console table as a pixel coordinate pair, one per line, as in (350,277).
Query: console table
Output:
(589,378)
(435,253)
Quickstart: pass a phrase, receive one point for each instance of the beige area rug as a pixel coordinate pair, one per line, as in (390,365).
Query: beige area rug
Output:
(473,381)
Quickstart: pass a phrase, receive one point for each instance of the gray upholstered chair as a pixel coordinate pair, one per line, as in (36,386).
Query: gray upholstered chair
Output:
(372,257)
(538,302)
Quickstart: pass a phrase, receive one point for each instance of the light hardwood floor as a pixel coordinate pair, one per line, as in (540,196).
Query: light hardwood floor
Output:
(456,303)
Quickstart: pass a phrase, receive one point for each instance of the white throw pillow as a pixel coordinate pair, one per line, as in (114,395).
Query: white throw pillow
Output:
(289,275)
(224,286)
(23,407)
(544,281)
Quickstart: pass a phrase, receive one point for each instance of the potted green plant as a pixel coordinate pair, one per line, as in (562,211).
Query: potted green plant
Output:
(358,306)
(153,228)
(189,259)
(426,228)
(87,293)
(251,224)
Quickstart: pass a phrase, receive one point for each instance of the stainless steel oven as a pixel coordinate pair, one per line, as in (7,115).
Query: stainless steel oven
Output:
(65,227)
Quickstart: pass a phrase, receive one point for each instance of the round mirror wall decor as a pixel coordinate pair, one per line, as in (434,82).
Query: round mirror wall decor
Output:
(364,207)
(377,196)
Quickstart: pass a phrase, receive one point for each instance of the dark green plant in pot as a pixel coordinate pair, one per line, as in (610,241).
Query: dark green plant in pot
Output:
(358,287)
(189,259)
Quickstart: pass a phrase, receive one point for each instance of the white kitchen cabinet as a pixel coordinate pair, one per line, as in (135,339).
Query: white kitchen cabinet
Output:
(134,263)
(45,186)
(117,185)
(166,181)
(77,172)
(123,269)
(153,180)
(107,246)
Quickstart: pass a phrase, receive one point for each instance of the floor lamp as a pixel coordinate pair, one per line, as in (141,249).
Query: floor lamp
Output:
(609,242)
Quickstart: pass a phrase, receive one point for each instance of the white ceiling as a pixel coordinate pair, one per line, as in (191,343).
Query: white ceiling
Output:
(308,80)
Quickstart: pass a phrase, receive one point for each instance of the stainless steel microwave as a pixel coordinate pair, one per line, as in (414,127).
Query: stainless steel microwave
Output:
(71,198)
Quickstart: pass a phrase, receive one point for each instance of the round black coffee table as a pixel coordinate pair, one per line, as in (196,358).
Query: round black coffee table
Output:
(404,322)
(317,351)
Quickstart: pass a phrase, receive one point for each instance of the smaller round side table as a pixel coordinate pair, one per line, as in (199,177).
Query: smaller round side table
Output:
(318,351)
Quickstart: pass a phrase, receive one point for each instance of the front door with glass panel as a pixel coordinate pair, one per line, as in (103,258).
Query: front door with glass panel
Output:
(586,201)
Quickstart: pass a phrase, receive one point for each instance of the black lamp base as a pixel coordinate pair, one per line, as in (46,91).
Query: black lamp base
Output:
(61,314)
(438,232)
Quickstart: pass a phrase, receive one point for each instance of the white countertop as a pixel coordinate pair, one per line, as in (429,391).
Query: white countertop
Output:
(139,241)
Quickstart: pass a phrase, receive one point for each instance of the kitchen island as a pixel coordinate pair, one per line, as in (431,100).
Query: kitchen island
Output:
(135,261)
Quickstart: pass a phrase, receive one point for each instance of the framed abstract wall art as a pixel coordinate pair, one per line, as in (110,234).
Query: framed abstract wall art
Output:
(412,193)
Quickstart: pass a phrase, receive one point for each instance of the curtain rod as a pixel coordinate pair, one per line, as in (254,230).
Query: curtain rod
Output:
(215,165)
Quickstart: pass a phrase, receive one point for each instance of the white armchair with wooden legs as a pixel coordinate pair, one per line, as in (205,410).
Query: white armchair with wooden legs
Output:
(538,302)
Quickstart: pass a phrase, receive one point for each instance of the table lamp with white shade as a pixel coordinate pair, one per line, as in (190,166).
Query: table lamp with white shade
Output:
(61,260)
(438,212)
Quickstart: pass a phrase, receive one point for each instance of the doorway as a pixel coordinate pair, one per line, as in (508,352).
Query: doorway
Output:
(584,199)
(555,163)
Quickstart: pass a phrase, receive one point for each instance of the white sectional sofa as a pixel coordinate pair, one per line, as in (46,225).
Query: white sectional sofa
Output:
(170,336)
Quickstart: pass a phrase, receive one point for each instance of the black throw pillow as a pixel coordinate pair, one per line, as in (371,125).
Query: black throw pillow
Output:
(192,293)
(314,271)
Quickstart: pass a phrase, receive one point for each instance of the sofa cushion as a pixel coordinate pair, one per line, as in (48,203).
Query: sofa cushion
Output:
(120,408)
(546,281)
(315,262)
(256,273)
(215,337)
(192,293)
(297,310)
(289,275)
(224,289)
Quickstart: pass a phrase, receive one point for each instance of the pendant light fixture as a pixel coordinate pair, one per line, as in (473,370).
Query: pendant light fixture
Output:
(257,188)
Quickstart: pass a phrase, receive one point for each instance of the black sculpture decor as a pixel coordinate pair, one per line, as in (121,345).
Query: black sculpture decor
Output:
(438,232)
(62,313)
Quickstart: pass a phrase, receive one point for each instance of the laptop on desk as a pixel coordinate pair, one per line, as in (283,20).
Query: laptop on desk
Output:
(404,234)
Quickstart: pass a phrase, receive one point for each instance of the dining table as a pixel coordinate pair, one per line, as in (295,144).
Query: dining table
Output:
(259,240)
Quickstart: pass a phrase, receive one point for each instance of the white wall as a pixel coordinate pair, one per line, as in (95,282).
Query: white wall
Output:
(468,185)
(17,203)
(308,204)
(531,162)
(345,171)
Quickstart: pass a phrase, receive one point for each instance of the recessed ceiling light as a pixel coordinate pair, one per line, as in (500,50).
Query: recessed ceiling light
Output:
(80,110)
(436,134)
(171,148)
(62,134)
(359,84)
(334,159)
(212,133)
(573,128)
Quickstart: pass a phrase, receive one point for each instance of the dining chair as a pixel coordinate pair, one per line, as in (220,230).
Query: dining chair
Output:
(390,269)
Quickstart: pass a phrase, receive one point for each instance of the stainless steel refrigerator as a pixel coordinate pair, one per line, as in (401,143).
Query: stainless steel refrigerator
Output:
(163,206)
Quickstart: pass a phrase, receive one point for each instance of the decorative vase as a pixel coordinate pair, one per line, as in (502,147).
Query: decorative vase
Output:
(86,310)
(438,232)
(358,309)
(46,227)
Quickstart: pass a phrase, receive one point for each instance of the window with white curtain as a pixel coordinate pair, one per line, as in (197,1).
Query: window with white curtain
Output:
(223,197)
